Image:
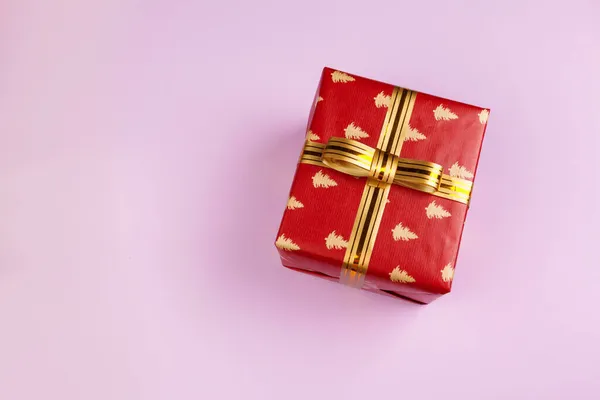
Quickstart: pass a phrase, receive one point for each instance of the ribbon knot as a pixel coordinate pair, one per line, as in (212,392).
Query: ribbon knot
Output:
(382,168)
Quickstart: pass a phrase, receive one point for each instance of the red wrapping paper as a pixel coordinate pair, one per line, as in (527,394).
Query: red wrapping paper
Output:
(417,244)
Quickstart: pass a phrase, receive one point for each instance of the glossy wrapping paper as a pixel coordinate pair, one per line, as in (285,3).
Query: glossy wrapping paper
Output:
(416,246)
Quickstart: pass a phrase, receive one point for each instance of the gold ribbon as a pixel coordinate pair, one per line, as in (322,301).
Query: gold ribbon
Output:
(357,159)
(382,166)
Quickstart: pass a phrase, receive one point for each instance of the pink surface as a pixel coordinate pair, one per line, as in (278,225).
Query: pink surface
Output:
(146,151)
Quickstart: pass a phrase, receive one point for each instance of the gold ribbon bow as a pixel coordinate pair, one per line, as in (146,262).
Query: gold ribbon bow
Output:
(382,167)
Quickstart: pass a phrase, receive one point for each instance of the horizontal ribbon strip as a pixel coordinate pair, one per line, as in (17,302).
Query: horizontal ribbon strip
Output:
(355,158)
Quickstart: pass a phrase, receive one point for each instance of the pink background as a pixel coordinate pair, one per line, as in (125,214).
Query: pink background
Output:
(146,152)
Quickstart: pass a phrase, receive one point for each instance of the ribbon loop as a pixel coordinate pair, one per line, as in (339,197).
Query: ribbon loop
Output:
(419,175)
(348,156)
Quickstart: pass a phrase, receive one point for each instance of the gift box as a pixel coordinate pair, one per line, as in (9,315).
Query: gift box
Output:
(382,188)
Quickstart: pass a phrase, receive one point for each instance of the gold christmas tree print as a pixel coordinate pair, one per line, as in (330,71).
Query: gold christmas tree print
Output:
(381,100)
(401,276)
(436,211)
(413,135)
(443,113)
(458,171)
(335,241)
(321,180)
(355,132)
(286,244)
(338,76)
(313,137)
(483,116)
(447,273)
(401,232)
(293,204)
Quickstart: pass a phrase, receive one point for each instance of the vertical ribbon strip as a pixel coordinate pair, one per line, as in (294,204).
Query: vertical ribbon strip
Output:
(376,191)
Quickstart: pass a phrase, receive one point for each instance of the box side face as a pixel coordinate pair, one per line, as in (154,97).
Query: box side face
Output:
(305,262)
(326,269)
(419,236)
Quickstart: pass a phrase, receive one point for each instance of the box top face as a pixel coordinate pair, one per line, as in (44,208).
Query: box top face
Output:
(419,235)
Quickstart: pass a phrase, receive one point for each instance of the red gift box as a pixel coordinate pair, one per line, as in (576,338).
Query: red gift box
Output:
(382,189)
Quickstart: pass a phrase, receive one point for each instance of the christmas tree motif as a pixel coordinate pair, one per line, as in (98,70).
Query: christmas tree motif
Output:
(313,137)
(400,275)
(458,171)
(286,244)
(401,232)
(483,116)
(293,203)
(338,76)
(447,273)
(413,135)
(436,211)
(443,113)
(335,241)
(319,99)
(381,100)
(321,180)
(354,132)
